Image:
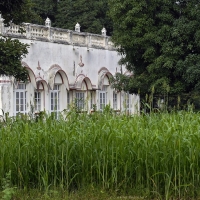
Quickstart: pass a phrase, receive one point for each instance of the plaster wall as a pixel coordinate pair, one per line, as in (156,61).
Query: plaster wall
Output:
(68,57)
(83,61)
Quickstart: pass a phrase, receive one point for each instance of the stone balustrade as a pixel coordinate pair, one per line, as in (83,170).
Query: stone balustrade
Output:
(57,35)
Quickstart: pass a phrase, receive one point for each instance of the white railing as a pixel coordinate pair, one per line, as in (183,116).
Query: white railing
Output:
(38,31)
(60,35)
(51,34)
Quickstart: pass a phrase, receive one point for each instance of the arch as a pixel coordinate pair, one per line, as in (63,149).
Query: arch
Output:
(30,73)
(53,71)
(102,69)
(106,80)
(58,79)
(84,86)
(55,66)
(102,73)
(40,81)
(79,81)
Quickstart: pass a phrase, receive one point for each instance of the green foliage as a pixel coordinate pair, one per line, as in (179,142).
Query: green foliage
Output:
(11,53)
(8,190)
(155,155)
(17,11)
(121,82)
(91,15)
(159,41)
(44,9)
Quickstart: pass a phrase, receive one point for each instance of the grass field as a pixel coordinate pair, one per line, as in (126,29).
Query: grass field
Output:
(153,156)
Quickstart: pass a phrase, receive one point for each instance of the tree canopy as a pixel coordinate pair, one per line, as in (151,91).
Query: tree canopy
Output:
(160,43)
(17,11)
(11,50)
(44,9)
(11,53)
(92,15)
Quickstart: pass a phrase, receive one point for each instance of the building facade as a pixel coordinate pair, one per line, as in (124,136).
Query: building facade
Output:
(66,68)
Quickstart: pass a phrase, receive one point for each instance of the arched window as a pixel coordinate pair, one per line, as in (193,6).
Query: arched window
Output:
(55,95)
(80,97)
(24,93)
(104,93)
(82,87)
(39,95)
(59,89)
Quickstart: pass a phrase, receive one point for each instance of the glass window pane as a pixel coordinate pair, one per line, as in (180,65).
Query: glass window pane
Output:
(17,107)
(21,108)
(22,101)
(55,98)
(21,94)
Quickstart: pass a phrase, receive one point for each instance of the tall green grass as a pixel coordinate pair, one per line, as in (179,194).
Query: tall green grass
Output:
(154,155)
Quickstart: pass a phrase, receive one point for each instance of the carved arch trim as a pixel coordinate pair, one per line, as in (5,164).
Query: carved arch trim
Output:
(80,79)
(53,70)
(31,74)
(102,73)
(39,81)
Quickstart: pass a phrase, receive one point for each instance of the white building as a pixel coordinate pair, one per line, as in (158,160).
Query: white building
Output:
(65,68)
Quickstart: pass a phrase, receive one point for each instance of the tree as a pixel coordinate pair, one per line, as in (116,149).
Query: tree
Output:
(11,53)
(90,14)
(159,42)
(17,11)
(11,50)
(44,9)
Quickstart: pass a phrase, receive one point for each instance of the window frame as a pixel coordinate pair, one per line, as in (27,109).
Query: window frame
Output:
(21,96)
(115,100)
(103,95)
(38,100)
(55,97)
(80,100)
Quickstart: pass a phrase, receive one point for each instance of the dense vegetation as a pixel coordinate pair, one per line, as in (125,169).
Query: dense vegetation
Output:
(153,155)
(12,51)
(156,155)
(16,11)
(11,54)
(92,15)
(159,42)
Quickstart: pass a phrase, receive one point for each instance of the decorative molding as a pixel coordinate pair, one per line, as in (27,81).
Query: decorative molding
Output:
(102,73)
(81,64)
(53,70)
(79,80)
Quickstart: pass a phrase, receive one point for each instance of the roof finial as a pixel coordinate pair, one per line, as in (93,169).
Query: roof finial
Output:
(77,27)
(103,31)
(48,22)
